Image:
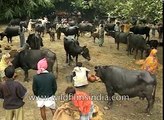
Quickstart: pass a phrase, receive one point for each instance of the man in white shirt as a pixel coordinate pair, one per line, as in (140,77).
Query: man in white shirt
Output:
(80,75)
(117,27)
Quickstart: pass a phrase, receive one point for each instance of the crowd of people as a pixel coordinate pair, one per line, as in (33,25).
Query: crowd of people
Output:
(44,87)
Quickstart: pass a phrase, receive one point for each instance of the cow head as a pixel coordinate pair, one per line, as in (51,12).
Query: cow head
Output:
(102,71)
(85,53)
(94,30)
(111,33)
(98,72)
(34,41)
(15,58)
(2,35)
(147,50)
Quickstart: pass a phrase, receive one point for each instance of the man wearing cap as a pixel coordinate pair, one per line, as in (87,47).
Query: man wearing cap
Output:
(44,88)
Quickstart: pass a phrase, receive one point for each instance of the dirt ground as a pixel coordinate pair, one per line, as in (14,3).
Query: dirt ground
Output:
(132,109)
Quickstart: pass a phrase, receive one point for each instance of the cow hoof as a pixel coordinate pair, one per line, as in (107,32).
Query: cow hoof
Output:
(106,108)
(141,98)
(149,114)
(26,80)
(100,45)
(148,111)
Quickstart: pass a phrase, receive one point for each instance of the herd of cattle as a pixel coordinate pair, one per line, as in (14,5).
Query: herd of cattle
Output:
(117,80)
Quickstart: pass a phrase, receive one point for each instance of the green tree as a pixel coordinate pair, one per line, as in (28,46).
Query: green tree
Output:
(150,10)
(19,8)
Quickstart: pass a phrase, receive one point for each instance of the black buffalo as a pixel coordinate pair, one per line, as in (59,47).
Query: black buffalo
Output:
(40,29)
(153,43)
(50,26)
(120,37)
(86,27)
(72,48)
(9,32)
(137,42)
(14,22)
(27,59)
(130,83)
(109,27)
(142,30)
(35,41)
(71,30)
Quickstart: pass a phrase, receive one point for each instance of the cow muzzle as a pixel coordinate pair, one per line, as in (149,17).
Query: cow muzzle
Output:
(88,58)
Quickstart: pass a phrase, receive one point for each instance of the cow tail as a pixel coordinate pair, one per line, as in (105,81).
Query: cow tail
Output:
(154,91)
(56,68)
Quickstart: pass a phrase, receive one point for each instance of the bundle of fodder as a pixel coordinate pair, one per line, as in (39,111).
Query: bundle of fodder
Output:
(65,112)
(68,112)
(139,62)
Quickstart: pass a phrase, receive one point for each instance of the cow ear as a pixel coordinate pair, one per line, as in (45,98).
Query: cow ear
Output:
(139,76)
(96,67)
(84,46)
(82,52)
(106,67)
(4,33)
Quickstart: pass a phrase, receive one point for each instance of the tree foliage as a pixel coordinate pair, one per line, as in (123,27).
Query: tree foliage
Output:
(150,10)
(144,9)
(20,8)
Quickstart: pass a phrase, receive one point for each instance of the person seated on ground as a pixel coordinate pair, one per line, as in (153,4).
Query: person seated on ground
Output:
(80,75)
(81,101)
(151,63)
(4,62)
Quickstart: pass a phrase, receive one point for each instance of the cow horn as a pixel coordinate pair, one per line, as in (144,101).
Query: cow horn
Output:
(96,67)
(84,47)
(82,52)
